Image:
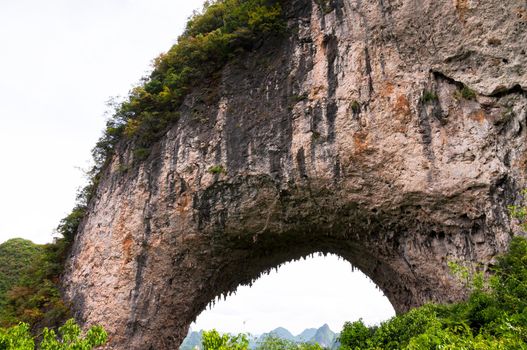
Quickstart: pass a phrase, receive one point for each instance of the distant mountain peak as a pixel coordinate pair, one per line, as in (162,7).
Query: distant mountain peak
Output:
(323,335)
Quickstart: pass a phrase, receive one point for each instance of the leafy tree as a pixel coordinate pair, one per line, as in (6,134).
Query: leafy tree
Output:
(275,343)
(70,338)
(355,335)
(491,318)
(212,340)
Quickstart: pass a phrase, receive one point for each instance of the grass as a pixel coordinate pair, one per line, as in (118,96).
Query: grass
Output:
(429,96)
(217,169)
(465,93)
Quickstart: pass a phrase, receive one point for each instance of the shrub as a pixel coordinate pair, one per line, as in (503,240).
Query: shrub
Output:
(355,107)
(16,338)
(493,318)
(217,169)
(325,6)
(355,335)
(429,96)
(212,340)
(70,337)
(69,225)
(275,343)
(465,93)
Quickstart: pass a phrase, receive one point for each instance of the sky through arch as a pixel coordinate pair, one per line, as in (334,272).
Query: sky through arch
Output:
(298,295)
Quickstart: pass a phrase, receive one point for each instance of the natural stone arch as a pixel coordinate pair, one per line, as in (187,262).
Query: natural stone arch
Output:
(327,143)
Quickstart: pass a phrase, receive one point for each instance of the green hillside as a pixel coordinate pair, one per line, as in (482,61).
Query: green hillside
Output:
(29,277)
(16,257)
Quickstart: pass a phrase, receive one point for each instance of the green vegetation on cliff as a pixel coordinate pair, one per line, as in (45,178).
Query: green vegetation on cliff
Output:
(221,32)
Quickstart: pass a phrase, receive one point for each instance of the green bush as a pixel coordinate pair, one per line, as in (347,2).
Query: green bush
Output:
(69,225)
(212,340)
(355,335)
(355,107)
(16,338)
(275,343)
(70,337)
(494,316)
(216,169)
(325,6)
(465,93)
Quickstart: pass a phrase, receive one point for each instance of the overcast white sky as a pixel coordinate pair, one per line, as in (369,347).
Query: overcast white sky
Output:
(301,294)
(60,61)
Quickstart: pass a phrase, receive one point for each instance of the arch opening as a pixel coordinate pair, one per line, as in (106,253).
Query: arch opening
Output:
(296,299)
(236,261)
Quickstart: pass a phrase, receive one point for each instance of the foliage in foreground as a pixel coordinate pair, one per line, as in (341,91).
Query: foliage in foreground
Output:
(275,343)
(69,337)
(212,340)
(494,316)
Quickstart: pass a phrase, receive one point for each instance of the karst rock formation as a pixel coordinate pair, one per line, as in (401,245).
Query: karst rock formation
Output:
(389,132)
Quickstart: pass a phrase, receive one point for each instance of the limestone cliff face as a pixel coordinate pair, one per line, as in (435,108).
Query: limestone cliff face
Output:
(352,135)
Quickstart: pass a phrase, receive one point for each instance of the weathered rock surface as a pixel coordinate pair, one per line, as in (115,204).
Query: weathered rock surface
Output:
(351,135)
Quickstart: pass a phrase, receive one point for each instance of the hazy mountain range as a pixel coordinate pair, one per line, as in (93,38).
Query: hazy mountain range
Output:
(324,336)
